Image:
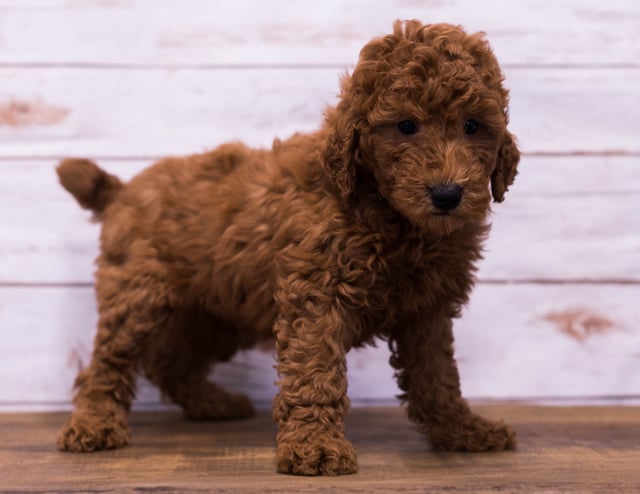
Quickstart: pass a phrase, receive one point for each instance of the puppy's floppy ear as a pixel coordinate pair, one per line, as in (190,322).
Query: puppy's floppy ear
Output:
(506,167)
(340,154)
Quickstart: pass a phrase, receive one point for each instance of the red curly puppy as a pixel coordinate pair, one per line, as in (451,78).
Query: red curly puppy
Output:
(369,227)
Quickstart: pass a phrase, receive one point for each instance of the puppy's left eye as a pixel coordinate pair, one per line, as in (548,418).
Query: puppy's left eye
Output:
(471,126)
(408,127)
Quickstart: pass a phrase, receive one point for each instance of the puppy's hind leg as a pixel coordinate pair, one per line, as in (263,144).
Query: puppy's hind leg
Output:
(131,308)
(180,359)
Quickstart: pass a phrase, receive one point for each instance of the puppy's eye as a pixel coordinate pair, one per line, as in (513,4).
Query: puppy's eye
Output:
(471,126)
(408,127)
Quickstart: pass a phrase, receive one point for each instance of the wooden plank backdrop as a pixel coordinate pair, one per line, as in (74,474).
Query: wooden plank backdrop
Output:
(555,314)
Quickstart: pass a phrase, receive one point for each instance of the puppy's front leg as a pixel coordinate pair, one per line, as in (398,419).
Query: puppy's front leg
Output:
(312,403)
(428,376)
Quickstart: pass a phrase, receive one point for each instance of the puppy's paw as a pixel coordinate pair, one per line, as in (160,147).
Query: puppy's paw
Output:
(324,455)
(473,433)
(84,434)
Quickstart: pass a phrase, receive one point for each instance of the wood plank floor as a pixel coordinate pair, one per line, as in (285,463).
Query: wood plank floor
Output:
(577,449)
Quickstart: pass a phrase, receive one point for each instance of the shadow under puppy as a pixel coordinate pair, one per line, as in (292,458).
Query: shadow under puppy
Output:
(368,227)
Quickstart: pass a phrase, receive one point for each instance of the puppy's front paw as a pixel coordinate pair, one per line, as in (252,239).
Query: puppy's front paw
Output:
(324,455)
(473,433)
(87,433)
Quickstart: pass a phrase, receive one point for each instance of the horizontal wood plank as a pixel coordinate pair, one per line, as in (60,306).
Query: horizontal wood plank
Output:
(136,113)
(523,341)
(585,449)
(565,218)
(200,32)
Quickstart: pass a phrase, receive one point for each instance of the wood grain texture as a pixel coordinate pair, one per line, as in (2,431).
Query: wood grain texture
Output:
(580,216)
(513,341)
(141,113)
(583,450)
(555,314)
(197,32)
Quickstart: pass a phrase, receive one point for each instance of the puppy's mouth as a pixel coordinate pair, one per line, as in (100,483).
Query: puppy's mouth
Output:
(442,223)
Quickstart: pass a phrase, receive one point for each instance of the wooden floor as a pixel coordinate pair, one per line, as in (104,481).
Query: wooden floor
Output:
(585,449)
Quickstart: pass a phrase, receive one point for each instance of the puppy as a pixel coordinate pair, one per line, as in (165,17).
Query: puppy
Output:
(368,228)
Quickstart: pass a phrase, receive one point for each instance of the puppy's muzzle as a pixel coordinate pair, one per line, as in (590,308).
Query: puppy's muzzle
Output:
(445,197)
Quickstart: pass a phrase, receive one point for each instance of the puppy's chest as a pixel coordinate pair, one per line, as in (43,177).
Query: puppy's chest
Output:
(424,281)
(410,287)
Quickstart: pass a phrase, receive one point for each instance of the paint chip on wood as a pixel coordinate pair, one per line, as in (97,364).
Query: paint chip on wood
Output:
(579,324)
(22,113)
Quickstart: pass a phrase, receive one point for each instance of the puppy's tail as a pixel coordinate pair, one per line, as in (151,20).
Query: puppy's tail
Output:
(92,187)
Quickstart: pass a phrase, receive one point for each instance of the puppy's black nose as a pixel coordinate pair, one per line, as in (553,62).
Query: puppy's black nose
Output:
(445,197)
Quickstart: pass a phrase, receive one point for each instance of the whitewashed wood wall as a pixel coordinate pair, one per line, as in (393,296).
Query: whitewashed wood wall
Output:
(556,313)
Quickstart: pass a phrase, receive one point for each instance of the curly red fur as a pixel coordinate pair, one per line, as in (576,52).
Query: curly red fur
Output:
(325,242)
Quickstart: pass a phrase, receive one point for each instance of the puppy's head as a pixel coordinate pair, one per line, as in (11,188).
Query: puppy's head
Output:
(424,115)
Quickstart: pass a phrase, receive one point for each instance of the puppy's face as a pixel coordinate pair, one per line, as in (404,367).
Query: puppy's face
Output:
(433,164)
(432,125)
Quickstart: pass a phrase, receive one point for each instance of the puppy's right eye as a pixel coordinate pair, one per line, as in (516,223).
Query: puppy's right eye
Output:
(408,127)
